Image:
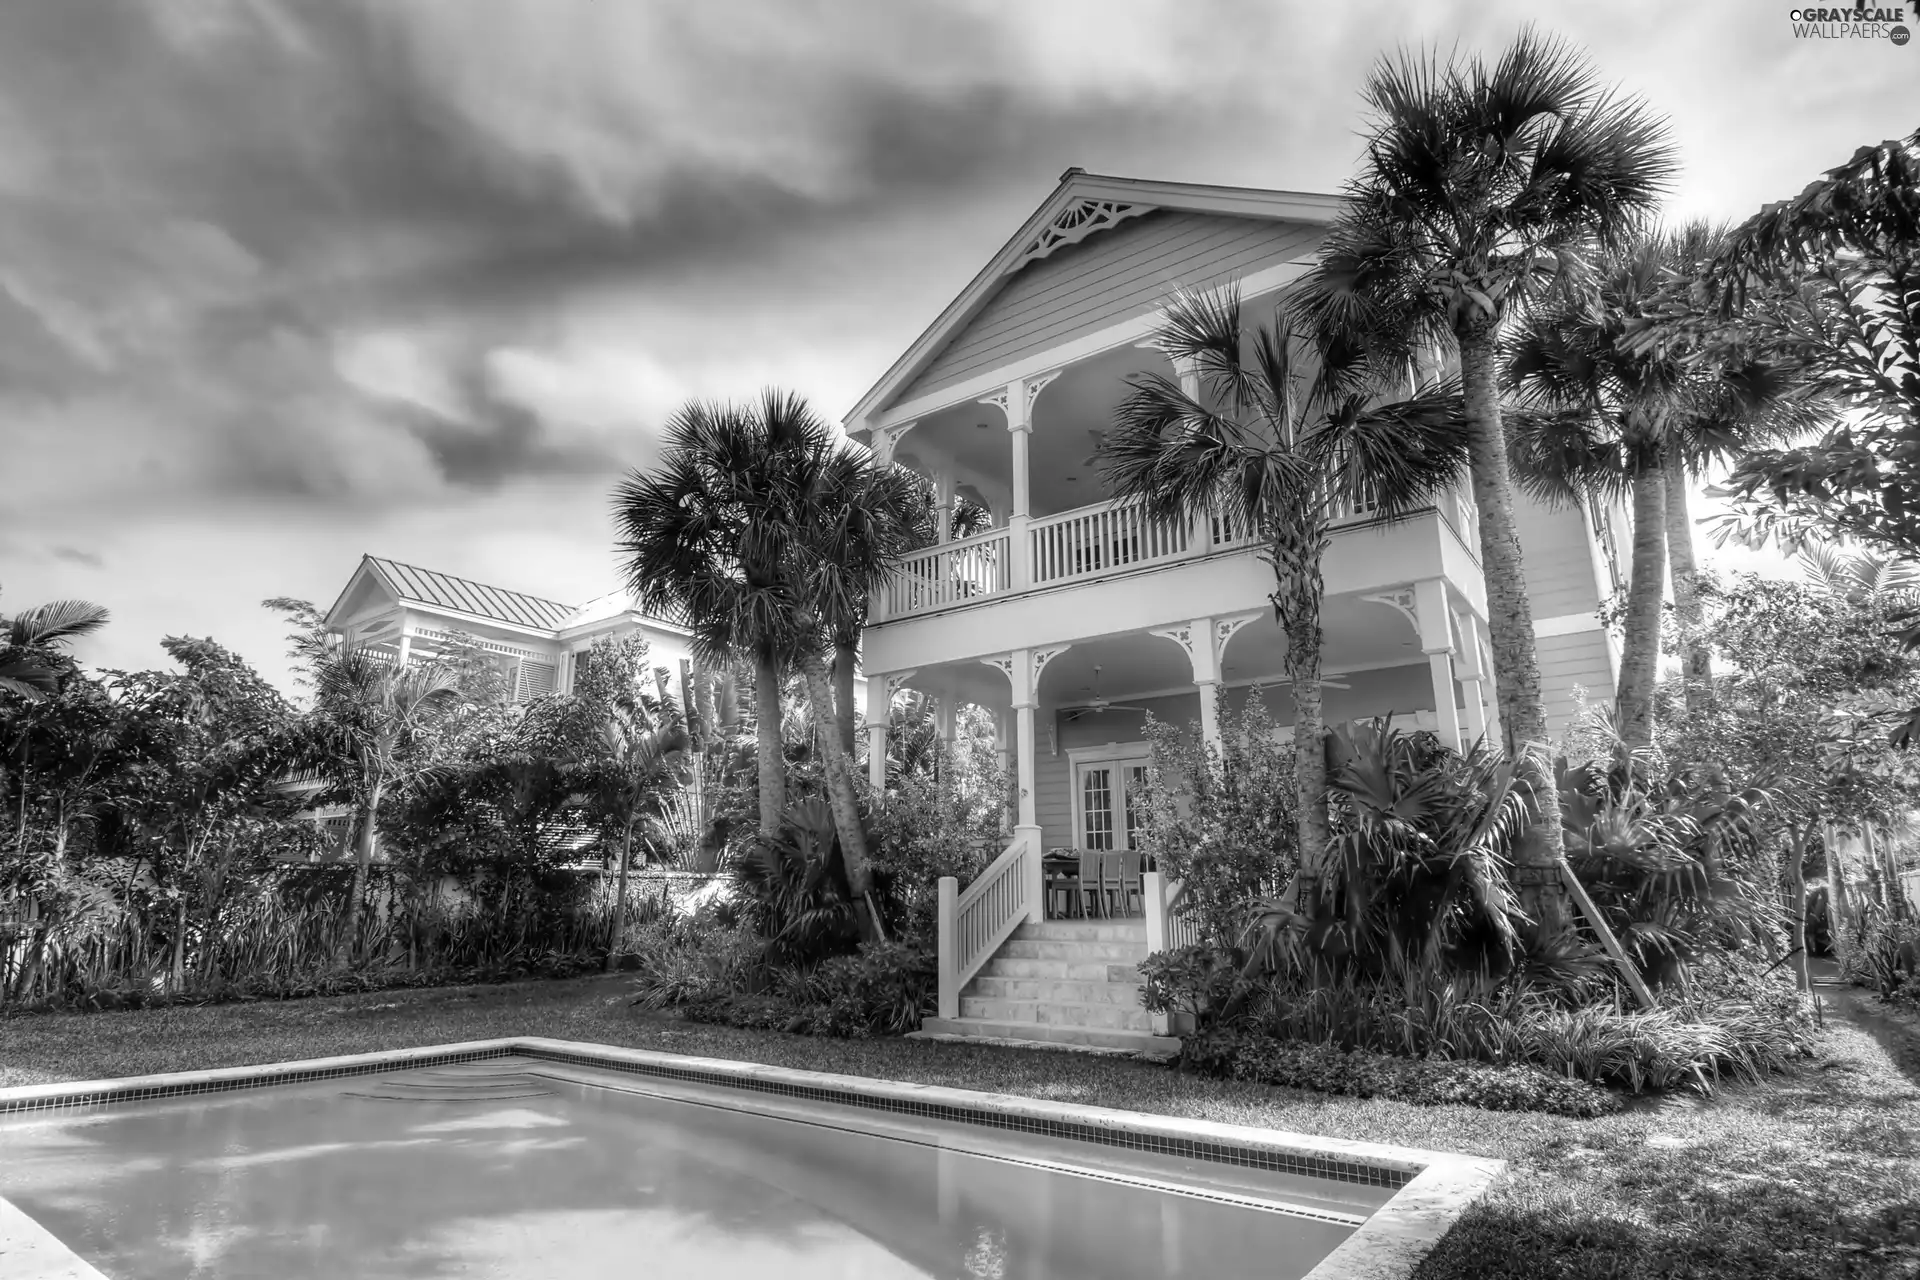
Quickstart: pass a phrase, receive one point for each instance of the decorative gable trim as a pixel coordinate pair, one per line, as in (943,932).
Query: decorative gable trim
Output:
(1080,219)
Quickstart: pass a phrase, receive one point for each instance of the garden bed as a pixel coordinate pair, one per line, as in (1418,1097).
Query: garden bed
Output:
(1811,1175)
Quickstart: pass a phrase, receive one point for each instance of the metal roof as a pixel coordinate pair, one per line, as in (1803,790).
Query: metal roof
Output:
(443,590)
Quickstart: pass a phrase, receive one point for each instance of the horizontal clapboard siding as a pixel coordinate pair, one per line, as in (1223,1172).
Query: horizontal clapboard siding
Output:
(1557,560)
(1105,279)
(1568,664)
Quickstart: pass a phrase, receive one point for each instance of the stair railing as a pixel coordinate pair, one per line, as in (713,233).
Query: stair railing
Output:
(1170,926)
(974,921)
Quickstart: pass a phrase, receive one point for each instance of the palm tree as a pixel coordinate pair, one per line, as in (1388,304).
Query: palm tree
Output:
(28,665)
(1274,440)
(630,772)
(768,536)
(1601,420)
(707,536)
(373,714)
(1485,186)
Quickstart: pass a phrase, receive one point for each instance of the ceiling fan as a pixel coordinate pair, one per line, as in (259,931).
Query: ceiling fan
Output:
(1097,704)
(1099,443)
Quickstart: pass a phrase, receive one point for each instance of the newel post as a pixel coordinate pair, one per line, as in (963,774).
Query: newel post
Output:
(949,948)
(1153,892)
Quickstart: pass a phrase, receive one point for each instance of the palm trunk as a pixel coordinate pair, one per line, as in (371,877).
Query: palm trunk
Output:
(1797,880)
(846,656)
(1640,652)
(772,752)
(1696,660)
(1516,666)
(846,810)
(620,896)
(363,839)
(1297,603)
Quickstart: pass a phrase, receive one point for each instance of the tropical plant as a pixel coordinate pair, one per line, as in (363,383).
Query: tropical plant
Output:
(1608,421)
(1485,186)
(793,891)
(30,664)
(370,717)
(1278,434)
(629,776)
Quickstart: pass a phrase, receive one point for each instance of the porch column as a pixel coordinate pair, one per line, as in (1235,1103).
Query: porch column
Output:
(879,708)
(943,504)
(1436,641)
(406,644)
(1203,657)
(1472,675)
(1003,758)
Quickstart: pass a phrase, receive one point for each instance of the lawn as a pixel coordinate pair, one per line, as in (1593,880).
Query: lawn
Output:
(1813,1176)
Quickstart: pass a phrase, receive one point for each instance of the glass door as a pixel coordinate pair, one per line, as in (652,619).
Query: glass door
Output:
(1113,804)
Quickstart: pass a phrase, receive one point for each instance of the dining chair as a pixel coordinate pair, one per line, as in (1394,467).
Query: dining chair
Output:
(1132,887)
(1090,882)
(1112,900)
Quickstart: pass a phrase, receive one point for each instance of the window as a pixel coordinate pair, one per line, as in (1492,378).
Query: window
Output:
(1110,796)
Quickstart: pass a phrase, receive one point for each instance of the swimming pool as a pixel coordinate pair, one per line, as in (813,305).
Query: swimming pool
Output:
(542,1158)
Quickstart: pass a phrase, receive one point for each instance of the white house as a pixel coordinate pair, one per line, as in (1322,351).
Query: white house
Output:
(405,613)
(1071,617)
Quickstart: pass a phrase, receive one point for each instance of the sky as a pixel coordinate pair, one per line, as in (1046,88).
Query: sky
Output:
(283,282)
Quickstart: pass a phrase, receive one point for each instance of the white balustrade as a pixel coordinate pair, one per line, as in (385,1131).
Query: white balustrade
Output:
(949,574)
(1096,540)
(974,922)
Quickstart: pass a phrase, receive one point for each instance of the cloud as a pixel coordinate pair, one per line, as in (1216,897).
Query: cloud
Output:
(75,555)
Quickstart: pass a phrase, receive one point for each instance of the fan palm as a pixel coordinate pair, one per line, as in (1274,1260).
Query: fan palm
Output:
(1484,186)
(1274,440)
(28,665)
(1609,421)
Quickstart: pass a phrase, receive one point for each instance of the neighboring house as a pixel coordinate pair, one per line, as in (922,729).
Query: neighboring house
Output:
(404,613)
(1072,617)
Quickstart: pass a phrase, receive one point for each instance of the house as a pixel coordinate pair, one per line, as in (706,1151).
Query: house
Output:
(404,613)
(1072,617)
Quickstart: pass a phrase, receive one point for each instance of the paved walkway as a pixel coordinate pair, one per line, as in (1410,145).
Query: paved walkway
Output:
(1898,1035)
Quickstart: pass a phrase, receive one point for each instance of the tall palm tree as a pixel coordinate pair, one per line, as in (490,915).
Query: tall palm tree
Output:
(767,535)
(374,714)
(707,536)
(1485,185)
(1600,420)
(29,666)
(1275,439)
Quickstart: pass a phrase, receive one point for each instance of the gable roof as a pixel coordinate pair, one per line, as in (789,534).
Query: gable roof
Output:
(431,589)
(1083,204)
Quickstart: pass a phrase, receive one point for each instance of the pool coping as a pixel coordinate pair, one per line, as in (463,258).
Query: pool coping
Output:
(1430,1188)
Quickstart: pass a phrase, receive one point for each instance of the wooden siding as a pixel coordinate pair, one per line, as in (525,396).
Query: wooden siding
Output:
(1570,663)
(1105,279)
(1558,561)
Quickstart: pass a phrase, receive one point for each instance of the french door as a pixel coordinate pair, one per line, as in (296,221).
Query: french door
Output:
(1112,800)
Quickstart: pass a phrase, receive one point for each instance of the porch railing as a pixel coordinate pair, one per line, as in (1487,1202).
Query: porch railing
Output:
(1098,539)
(949,574)
(974,921)
(1170,926)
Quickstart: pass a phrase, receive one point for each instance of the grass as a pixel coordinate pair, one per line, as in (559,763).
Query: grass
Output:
(1816,1175)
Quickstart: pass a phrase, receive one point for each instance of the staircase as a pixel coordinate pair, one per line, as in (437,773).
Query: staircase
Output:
(1065,982)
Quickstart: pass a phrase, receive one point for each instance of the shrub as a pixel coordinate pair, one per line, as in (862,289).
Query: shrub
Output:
(677,962)
(884,990)
(946,822)
(1325,1068)
(1885,953)
(1221,819)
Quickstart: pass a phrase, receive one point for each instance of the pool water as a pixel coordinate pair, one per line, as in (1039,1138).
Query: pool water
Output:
(513,1167)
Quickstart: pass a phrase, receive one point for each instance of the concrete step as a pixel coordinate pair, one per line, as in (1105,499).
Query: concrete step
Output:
(1005,966)
(1110,1016)
(1038,949)
(1053,990)
(1048,1033)
(1085,931)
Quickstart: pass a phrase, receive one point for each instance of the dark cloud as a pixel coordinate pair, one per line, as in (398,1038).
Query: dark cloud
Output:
(75,555)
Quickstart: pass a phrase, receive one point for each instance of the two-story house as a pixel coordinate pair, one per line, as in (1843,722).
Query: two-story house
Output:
(405,614)
(1072,616)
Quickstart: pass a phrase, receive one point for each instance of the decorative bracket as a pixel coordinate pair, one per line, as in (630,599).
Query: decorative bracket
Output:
(1401,598)
(884,440)
(1041,657)
(1223,631)
(1034,386)
(895,679)
(1003,663)
(1181,635)
(1075,223)
(998,399)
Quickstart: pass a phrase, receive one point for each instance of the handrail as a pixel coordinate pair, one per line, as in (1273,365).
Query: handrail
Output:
(974,922)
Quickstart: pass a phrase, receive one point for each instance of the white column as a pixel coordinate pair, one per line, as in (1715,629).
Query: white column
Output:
(1024,762)
(943,504)
(1472,675)
(945,717)
(1203,656)
(1210,712)
(1003,757)
(879,706)
(406,644)
(1436,641)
